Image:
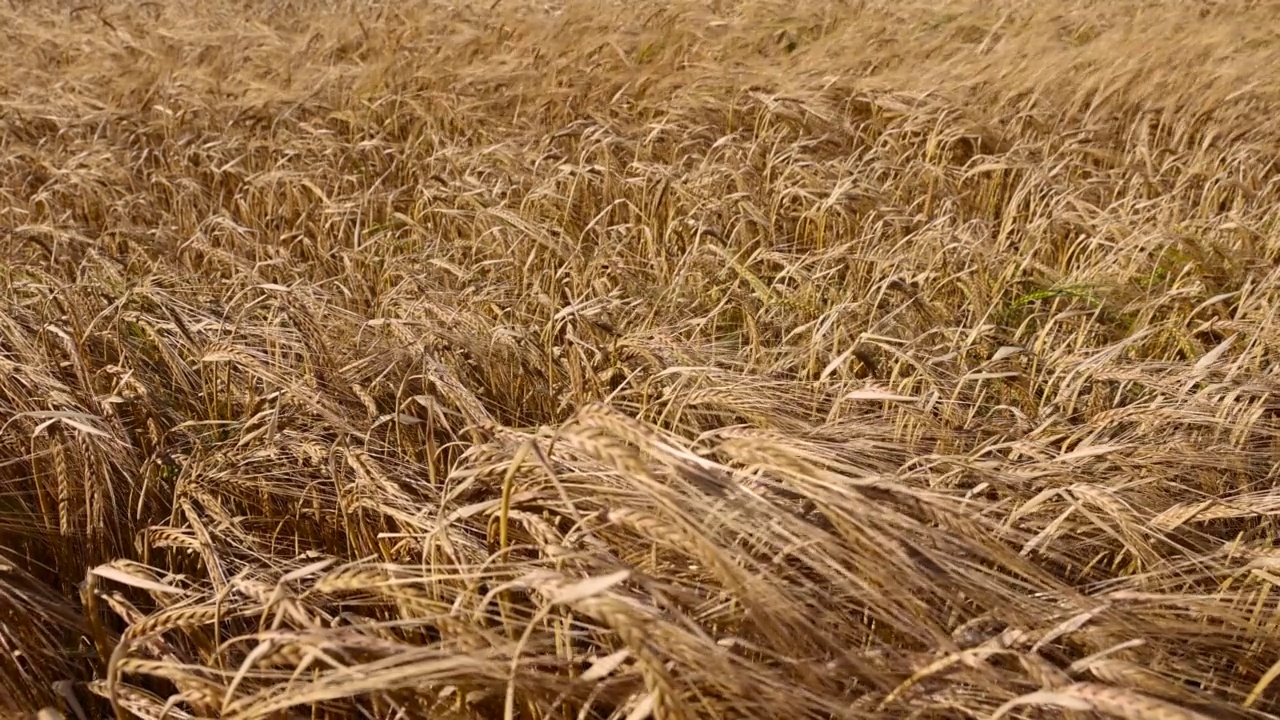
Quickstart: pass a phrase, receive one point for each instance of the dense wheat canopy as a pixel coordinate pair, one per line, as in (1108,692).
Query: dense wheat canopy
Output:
(601,359)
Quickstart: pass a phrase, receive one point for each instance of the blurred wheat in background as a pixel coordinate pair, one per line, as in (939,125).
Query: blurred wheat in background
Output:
(604,359)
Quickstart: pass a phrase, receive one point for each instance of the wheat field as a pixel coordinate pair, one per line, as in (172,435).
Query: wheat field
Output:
(593,359)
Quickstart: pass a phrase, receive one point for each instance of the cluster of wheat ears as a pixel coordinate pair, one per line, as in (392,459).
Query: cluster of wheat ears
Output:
(794,359)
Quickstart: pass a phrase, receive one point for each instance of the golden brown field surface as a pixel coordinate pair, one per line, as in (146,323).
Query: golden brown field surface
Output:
(596,360)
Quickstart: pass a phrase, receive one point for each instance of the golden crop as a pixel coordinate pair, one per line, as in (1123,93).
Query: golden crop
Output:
(600,359)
